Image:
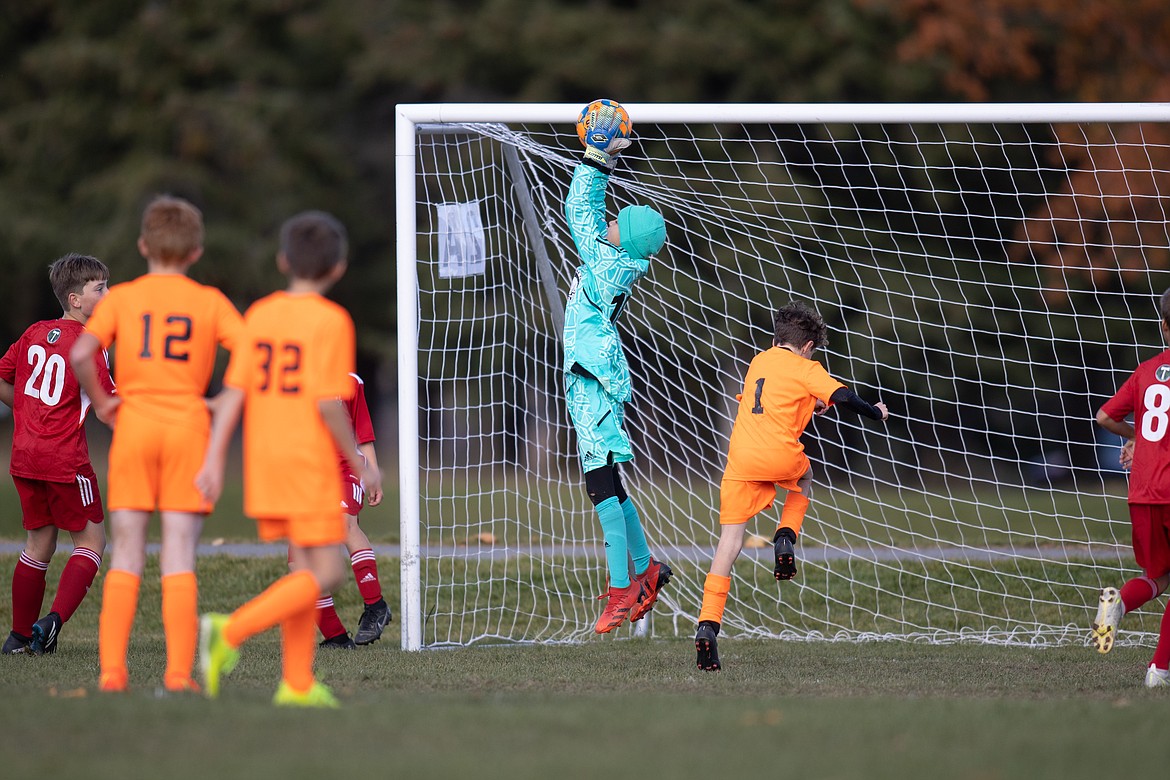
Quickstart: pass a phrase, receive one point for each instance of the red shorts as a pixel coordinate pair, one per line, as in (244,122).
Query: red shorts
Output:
(69,506)
(353,495)
(1151,537)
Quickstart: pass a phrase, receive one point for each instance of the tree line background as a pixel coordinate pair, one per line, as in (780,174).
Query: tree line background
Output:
(256,109)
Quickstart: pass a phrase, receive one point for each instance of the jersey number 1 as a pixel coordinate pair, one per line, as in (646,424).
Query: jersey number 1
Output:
(759,407)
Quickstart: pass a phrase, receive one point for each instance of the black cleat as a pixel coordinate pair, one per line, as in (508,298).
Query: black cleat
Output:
(15,644)
(44,634)
(785,554)
(706,647)
(373,620)
(339,642)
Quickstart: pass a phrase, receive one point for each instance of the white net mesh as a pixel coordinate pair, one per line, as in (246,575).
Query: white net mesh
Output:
(992,283)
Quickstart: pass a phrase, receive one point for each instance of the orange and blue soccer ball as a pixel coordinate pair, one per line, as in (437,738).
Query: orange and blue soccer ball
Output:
(601,115)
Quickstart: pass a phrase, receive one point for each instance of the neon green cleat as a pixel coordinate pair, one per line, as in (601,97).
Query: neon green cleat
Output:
(216,657)
(317,696)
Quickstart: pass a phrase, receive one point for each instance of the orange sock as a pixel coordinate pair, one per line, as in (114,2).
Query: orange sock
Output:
(715,590)
(119,603)
(298,639)
(180,612)
(792,516)
(288,596)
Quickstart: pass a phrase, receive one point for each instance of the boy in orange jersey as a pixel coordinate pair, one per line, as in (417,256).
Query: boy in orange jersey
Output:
(376,613)
(291,369)
(50,457)
(167,328)
(784,387)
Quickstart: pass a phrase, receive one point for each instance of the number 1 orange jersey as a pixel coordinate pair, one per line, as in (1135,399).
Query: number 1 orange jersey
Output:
(167,328)
(296,350)
(780,392)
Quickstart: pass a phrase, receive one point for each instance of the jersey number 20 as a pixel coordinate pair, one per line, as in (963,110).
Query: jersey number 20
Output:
(47,379)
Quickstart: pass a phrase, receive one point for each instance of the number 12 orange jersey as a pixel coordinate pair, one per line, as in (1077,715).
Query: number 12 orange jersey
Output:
(296,350)
(167,328)
(780,392)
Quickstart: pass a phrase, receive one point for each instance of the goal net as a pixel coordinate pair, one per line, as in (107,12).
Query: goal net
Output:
(990,272)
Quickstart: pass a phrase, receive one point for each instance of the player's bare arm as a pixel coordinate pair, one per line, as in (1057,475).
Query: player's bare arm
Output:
(228,406)
(337,421)
(7,393)
(82,356)
(1122,428)
(367,450)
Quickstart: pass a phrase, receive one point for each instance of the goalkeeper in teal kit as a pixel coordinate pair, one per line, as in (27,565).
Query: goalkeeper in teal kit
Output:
(614,257)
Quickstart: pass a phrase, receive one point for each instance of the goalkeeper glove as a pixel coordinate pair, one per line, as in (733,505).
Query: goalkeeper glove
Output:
(604,137)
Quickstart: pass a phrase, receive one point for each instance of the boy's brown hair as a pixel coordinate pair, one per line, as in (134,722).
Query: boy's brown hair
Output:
(796,324)
(313,243)
(70,274)
(172,228)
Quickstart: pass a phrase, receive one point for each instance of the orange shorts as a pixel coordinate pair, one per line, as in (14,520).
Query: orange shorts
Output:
(153,464)
(740,501)
(317,530)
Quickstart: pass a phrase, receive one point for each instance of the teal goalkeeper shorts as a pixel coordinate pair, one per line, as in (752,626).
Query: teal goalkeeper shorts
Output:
(598,419)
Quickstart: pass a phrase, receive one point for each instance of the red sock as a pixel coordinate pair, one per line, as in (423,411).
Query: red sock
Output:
(78,575)
(365,572)
(1162,651)
(1137,592)
(28,593)
(327,619)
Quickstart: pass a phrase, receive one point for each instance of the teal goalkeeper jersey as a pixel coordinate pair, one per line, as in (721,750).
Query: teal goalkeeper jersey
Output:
(605,279)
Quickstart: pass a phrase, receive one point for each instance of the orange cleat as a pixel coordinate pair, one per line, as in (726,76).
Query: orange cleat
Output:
(113,682)
(181,685)
(621,601)
(653,580)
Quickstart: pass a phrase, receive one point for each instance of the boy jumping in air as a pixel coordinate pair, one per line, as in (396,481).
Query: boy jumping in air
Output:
(783,388)
(597,377)
(50,456)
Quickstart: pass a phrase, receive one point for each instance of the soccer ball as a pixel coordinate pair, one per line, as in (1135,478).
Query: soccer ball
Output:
(602,114)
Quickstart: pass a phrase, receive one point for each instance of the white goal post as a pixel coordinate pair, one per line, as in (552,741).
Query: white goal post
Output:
(990,271)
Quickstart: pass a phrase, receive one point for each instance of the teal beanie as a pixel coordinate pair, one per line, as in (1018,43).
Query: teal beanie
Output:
(642,231)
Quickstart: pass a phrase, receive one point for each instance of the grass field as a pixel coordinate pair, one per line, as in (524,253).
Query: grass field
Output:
(626,708)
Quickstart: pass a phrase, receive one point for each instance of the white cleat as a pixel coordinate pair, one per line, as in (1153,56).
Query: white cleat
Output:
(1157,678)
(1109,612)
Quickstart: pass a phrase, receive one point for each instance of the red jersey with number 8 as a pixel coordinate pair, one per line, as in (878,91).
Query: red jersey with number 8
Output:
(1146,395)
(48,437)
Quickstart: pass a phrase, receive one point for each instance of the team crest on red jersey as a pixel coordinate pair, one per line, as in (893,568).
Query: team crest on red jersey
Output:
(1162,373)
(55,334)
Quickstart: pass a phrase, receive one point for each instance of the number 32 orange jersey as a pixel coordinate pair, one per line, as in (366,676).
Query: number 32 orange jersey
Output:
(780,392)
(296,350)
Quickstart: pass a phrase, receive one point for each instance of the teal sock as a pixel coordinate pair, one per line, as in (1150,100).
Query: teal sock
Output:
(635,538)
(613,528)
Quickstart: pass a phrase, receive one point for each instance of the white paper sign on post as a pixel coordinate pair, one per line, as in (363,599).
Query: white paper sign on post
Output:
(462,241)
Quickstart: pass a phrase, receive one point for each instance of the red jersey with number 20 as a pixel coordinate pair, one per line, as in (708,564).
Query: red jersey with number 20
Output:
(48,436)
(1146,395)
